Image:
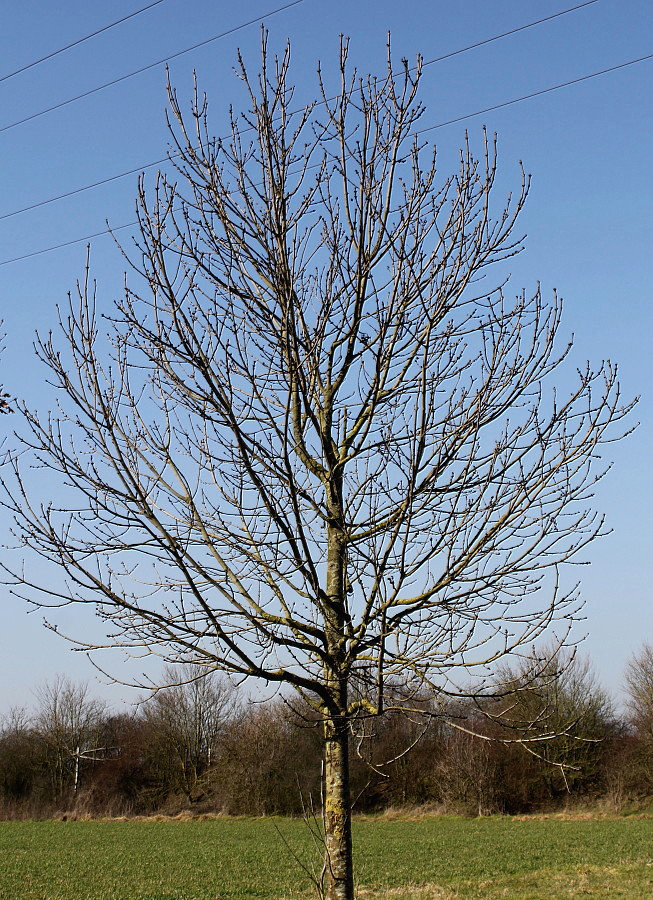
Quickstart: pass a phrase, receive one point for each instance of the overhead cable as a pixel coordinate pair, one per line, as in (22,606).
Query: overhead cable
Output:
(498,37)
(81,40)
(554,87)
(146,68)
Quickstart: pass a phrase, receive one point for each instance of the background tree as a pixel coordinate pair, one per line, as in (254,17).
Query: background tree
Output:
(323,446)
(468,767)
(18,761)
(269,762)
(68,722)
(639,684)
(564,702)
(186,719)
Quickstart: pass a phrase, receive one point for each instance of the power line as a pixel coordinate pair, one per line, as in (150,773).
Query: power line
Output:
(81,40)
(88,237)
(158,162)
(153,65)
(471,115)
(497,37)
(86,187)
(555,87)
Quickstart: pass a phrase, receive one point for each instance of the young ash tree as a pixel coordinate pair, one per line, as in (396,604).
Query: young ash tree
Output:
(321,450)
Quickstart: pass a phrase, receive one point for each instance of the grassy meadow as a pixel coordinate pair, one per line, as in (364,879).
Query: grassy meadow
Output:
(431,857)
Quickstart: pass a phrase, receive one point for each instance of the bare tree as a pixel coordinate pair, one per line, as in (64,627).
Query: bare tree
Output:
(467,770)
(18,765)
(68,722)
(321,447)
(639,682)
(639,686)
(269,762)
(565,702)
(188,715)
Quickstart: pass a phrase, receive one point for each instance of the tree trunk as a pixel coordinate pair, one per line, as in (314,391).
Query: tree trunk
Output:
(339,874)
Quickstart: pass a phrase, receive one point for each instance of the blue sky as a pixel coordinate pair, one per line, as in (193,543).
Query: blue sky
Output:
(588,220)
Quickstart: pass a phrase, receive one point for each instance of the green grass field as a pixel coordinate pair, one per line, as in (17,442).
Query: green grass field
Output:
(233,858)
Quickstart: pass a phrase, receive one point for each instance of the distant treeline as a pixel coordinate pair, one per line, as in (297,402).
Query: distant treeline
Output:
(538,743)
